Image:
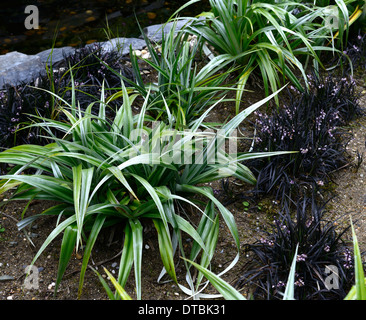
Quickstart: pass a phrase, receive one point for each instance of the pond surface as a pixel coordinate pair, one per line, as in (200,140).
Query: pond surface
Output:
(81,22)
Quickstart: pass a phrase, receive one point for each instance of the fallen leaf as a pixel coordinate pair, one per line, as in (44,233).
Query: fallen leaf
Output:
(151,15)
(90,19)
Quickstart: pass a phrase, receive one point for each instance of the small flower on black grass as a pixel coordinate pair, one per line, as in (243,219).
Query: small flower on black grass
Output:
(301,257)
(348,259)
(320,183)
(266,241)
(309,222)
(299,282)
(280,284)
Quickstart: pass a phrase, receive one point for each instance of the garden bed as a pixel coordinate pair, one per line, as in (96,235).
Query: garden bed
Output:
(119,209)
(16,251)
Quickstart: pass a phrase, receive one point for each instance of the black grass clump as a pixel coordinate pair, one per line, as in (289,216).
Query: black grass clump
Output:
(324,263)
(90,67)
(311,124)
(18,105)
(356,52)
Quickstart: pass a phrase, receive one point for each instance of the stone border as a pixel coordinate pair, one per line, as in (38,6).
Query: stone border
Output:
(16,67)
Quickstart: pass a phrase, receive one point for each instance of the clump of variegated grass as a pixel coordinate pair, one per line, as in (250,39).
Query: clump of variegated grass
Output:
(100,174)
(273,38)
(187,88)
(358,291)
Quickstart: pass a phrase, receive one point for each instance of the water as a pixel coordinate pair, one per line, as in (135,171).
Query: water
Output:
(81,22)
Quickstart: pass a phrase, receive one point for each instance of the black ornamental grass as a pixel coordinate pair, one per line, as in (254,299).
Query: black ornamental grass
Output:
(20,105)
(90,67)
(324,263)
(17,105)
(356,52)
(310,123)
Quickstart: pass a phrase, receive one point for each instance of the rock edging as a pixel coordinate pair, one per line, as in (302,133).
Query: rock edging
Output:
(17,67)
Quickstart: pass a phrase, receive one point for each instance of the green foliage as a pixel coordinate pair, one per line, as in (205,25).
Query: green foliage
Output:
(102,173)
(358,291)
(269,36)
(125,168)
(183,86)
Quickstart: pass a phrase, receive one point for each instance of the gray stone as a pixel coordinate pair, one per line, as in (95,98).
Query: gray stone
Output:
(6,278)
(16,67)
(155,32)
(123,45)
(58,54)
(33,235)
